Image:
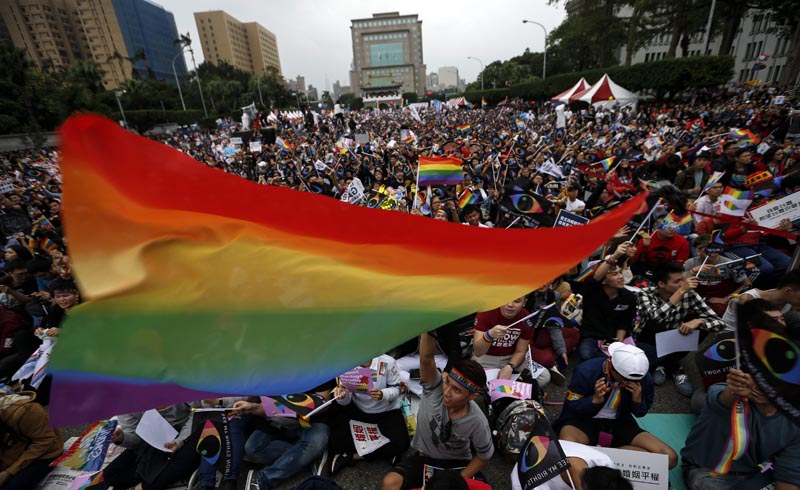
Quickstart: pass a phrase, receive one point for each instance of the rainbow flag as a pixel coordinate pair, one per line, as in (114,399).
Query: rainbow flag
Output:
(464,128)
(283,143)
(440,171)
(744,136)
(200,283)
(715,177)
(606,163)
(484,104)
(520,124)
(467,197)
(679,220)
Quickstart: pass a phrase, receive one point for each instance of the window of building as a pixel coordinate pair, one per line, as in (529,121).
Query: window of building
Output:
(777,73)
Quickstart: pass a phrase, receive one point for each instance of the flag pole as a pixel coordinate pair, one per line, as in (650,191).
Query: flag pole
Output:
(647,218)
(701,266)
(571,483)
(513,222)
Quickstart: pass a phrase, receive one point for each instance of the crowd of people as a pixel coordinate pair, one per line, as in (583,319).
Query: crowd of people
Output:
(685,264)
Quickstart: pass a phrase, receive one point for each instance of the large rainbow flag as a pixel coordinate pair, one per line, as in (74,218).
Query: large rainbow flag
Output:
(200,282)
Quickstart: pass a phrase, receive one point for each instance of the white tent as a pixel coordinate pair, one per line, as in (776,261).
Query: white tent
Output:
(606,92)
(578,87)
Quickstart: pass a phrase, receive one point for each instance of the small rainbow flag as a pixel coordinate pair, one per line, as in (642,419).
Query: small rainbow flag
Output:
(744,136)
(440,171)
(467,197)
(678,221)
(606,163)
(464,128)
(520,124)
(176,259)
(589,272)
(715,177)
(738,194)
(283,143)
(484,104)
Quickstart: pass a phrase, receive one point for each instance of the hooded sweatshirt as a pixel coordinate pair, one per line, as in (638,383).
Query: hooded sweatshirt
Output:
(26,436)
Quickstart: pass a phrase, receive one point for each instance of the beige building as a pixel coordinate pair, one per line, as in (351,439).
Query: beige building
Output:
(387,55)
(245,45)
(111,33)
(48,30)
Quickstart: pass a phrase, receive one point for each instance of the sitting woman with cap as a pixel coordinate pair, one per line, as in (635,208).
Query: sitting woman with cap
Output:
(604,396)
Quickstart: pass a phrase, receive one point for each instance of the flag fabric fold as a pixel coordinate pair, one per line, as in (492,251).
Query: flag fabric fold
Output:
(200,282)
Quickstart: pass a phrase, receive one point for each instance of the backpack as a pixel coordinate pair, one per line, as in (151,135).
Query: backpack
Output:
(514,426)
(318,483)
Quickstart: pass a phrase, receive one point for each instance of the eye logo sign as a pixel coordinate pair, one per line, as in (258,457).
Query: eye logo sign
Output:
(209,445)
(535,452)
(779,354)
(722,351)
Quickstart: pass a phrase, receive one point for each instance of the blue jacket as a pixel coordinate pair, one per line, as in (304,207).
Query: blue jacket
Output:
(578,402)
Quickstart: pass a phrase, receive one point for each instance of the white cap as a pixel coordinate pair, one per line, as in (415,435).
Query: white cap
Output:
(628,360)
(262,164)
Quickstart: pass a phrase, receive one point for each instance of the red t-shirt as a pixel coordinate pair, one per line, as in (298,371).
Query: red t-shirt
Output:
(508,344)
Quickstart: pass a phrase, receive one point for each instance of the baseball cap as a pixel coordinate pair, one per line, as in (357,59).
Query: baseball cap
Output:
(628,360)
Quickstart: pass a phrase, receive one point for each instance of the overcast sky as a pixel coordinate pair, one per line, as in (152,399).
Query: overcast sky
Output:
(314,35)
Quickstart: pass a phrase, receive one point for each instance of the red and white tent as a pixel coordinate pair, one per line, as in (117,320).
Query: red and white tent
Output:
(605,92)
(578,87)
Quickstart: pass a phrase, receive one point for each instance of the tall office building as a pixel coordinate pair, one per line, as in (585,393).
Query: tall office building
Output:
(448,77)
(48,30)
(246,45)
(387,55)
(297,85)
(120,31)
(109,32)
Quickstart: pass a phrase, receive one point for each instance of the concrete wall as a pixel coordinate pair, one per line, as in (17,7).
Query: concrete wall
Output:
(11,142)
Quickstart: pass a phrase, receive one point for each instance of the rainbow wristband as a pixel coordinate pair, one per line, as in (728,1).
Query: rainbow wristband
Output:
(488,338)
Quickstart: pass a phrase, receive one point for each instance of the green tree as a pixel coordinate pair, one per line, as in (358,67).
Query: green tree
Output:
(326,99)
(591,33)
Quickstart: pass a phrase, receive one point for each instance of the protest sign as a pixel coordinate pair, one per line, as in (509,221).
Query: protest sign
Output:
(155,430)
(236,140)
(358,380)
(674,341)
(367,437)
(362,138)
(715,361)
(504,388)
(255,147)
(290,405)
(354,193)
(771,214)
(565,218)
(6,186)
(88,451)
(648,471)
(215,444)
(543,457)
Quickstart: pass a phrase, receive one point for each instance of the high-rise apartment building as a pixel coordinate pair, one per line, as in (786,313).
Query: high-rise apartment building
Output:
(448,77)
(298,84)
(48,30)
(127,38)
(387,54)
(246,45)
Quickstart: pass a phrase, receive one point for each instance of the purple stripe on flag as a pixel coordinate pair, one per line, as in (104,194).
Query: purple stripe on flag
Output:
(117,395)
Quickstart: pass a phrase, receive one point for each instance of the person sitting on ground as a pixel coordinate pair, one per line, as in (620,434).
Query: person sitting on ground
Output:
(671,304)
(501,340)
(716,281)
(27,442)
(450,425)
(665,245)
(786,297)
(144,466)
(555,339)
(608,308)
(604,478)
(603,398)
(773,436)
(380,406)
(285,447)
(581,458)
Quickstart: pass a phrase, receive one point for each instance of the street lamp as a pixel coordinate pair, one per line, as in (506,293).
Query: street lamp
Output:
(118,94)
(481,62)
(178,82)
(544,63)
(199,85)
